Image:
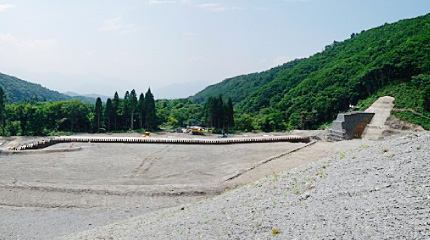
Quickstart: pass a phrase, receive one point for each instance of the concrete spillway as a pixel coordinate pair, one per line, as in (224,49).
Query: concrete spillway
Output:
(69,139)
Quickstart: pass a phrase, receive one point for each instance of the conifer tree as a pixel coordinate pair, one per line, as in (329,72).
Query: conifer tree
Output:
(141,110)
(229,114)
(125,109)
(150,115)
(219,113)
(115,106)
(98,113)
(109,114)
(132,105)
(209,112)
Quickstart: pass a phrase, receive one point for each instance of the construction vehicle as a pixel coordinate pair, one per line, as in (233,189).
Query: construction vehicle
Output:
(195,130)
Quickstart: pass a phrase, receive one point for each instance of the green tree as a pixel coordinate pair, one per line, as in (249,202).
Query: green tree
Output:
(209,111)
(229,114)
(219,113)
(150,115)
(109,114)
(426,98)
(76,115)
(115,106)
(141,110)
(98,109)
(2,109)
(126,110)
(133,106)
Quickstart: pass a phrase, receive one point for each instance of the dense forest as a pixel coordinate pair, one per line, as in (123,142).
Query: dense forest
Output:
(308,93)
(52,117)
(18,90)
(393,59)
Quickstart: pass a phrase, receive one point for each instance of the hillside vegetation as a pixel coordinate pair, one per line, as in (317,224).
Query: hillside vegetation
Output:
(309,92)
(18,90)
(393,59)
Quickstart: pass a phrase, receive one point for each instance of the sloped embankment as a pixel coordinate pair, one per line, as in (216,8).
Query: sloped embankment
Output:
(375,192)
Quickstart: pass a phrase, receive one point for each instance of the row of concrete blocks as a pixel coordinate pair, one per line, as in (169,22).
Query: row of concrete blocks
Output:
(52,141)
(36,145)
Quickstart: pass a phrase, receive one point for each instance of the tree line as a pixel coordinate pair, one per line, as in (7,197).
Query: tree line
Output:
(218,115)
(132,112)
(45,118)
(128,113)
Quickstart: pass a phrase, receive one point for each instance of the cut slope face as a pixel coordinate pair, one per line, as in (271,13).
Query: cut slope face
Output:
(382,110)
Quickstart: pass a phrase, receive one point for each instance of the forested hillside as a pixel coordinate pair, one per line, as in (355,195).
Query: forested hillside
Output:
(238,88)
(307,93)
(18,90)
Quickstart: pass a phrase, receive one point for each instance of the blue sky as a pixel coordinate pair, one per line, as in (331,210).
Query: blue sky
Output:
(103,46)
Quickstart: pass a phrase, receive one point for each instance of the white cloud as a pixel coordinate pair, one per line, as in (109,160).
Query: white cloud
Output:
(4,7)
(116,24)
(111,25)
(216,7)
(28,45)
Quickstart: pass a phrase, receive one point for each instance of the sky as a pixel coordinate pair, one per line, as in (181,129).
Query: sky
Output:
(174,46)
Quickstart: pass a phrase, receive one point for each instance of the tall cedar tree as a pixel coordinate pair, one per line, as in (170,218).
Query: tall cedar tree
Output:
(125,110)
(150,116)
(115,106)
(229,114)
(219,112)
(219,115)
(208,112)
(98,113)
(2,109)
(141,110)
(133,106)
(109,114)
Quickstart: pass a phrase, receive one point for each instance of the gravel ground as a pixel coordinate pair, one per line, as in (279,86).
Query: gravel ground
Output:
(377,192)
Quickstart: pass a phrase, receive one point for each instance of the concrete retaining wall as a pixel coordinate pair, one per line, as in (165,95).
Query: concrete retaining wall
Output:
(67,139)
(349,125)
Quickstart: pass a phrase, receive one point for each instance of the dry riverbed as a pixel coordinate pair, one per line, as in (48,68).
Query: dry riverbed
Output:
(374,192)
(45,195)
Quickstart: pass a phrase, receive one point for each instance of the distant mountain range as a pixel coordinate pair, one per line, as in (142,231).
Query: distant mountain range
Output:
(179,90)
(89,97)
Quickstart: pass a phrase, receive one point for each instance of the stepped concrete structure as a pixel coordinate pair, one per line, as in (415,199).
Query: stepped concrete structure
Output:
(369,125)
(382,110)
(349,125)
(142,140)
